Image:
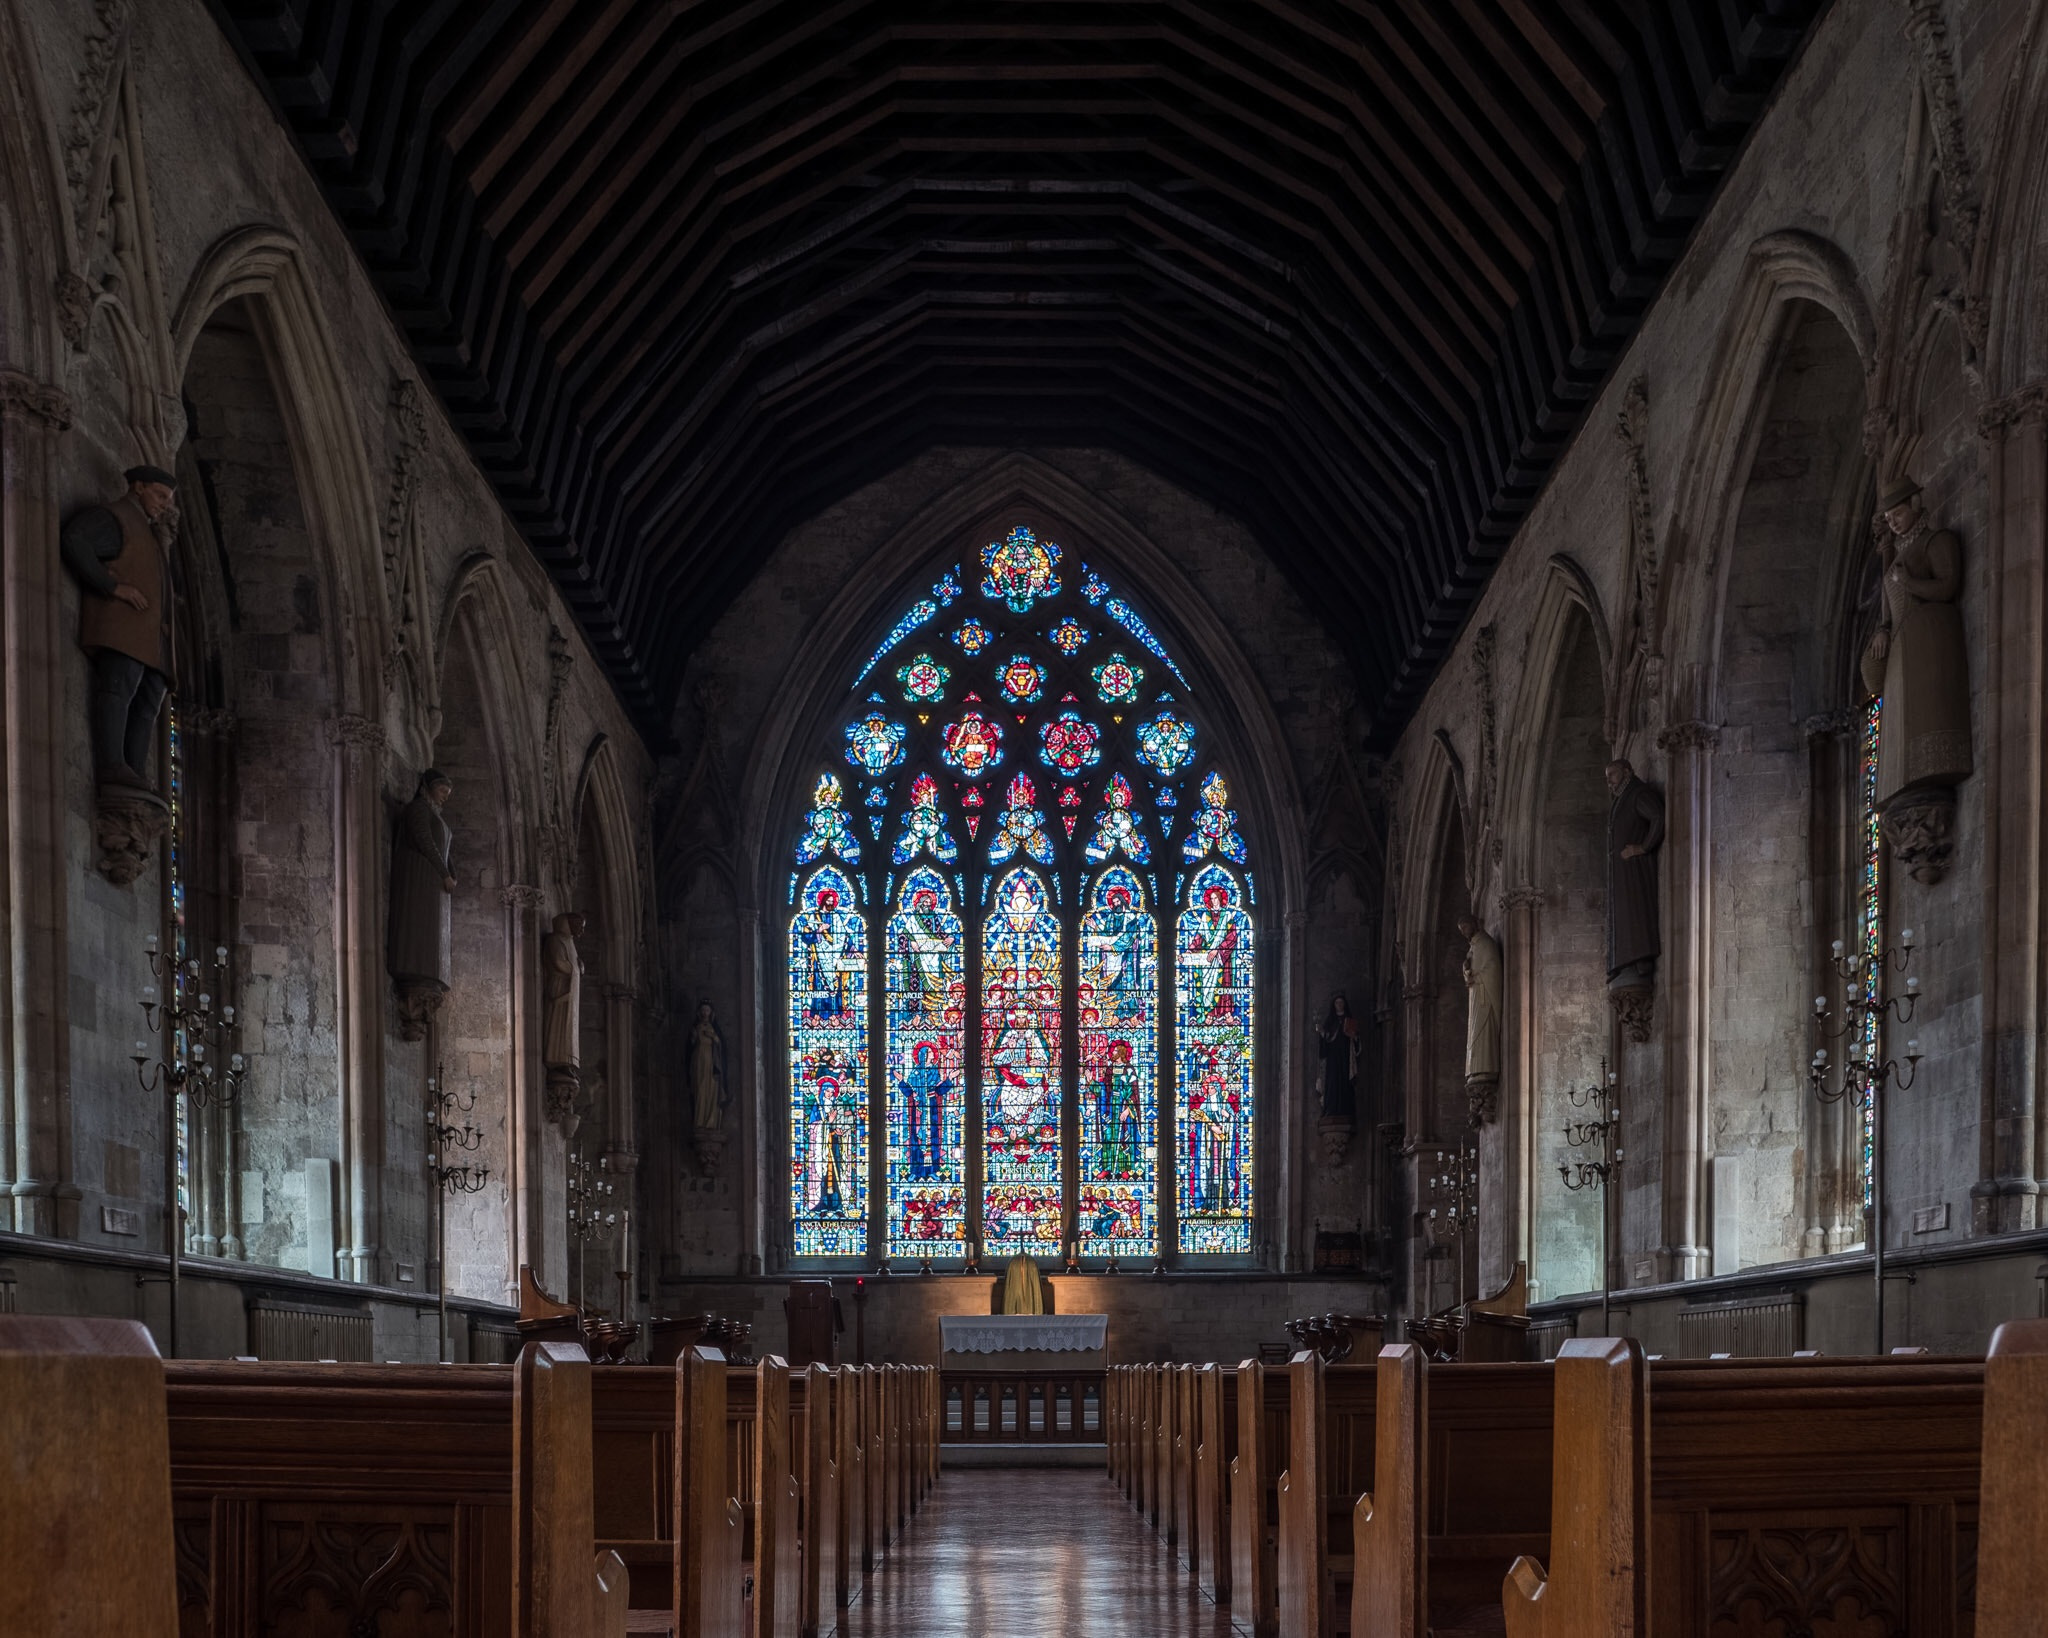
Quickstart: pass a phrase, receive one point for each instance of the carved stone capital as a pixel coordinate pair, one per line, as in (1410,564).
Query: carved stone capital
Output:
(350,732)
(520,896)
(1839,724)
(128,827)
(1920,824)
(28,398)
(559,1099)
(1633,1007)
(620,992)
(1520,898)
(1417,992)
(1333,1137)
(2027,407)
(208,721)
(1690,735)
(1482,1100)
(709,1144)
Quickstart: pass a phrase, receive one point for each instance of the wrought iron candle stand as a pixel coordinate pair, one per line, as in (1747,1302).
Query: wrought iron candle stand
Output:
(1454,1199)
(452,1176)
(1865,1070)
(1601,1138)
(202,1068)
(590,1186)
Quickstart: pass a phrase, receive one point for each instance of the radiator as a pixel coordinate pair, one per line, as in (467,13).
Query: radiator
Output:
(1770,1327)
(1546,1336)
(286,1330)
(491,1343)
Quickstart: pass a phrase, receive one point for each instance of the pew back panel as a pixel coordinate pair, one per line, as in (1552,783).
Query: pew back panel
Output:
(1262,1427)
(2012,1578)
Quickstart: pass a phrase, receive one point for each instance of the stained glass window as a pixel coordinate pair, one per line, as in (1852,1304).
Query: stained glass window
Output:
(927,1011)
(975,893)
(1870,916)
(1117,1000)
(1023,1199)
(1213,1072)
(828,1068)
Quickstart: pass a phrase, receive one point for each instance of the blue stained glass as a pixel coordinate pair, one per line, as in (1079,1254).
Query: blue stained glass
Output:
(1116,827)
(1118,999)
(927,1068)
(923,679)
(1022,680)
(1215,825)
(1022,1205)
(922,612)
(1023,827)
(1117,681)
(875,744)
(924,827)
(1020,569)
(1069,636)
(973,637)
(972,745)
(1068,743)
(1166,744)
(828,830)
(1213,1109)
(828,1070)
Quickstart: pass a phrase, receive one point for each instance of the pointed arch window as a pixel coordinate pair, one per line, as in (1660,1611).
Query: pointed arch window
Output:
(1022,805)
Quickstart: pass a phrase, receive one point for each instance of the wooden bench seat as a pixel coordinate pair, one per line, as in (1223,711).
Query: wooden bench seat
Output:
(1727,1496)
(1263,1396)
(1331,1417)
(1461,1489)
(385,1495)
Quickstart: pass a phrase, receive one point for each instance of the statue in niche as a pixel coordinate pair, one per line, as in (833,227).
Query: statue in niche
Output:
(1916,665)
(1337,1047)
(708,1095)
(422,931)
(118,555)
(1482,972)
(561,1020)
(1635,833)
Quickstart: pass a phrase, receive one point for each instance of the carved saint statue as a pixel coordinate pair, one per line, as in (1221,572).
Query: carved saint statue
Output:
(1915,664)
(561,1046)
(422,905)
(125,621)
(1482,972)
(707,1071)
(1635,831)
(1338,1042)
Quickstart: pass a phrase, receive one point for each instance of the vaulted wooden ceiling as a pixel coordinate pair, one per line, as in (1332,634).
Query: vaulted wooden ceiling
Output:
(685,273)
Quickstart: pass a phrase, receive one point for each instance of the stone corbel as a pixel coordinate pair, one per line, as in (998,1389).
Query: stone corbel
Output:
(27,398)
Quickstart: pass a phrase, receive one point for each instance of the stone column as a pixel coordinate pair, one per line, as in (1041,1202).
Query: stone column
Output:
(37,1194)
(525,1121)
(2012,1138)
(758,1145)
(1508,1230)
(623,1149)
(1418,1048)
(1687,974)
(360,984)
(1288,1187)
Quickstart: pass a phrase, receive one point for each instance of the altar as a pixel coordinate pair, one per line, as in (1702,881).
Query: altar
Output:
(1010,1380)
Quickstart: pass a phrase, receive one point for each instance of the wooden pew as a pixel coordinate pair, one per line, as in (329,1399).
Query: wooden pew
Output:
(2012,1540)
(1144,1444)
(1187,1438)
(85,1490)
(851,1553)
(1263,1397)
(1331,1414)
(872,1438)
(1113,1381)
(815,1442)
(1461,1489)
(1744,1495)
(1215,1394)
(758,1469)
(368,1495)
(1165,1430)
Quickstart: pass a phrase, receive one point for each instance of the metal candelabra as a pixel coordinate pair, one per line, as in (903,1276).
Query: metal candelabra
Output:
(590,1186)
(1865,1070)
(446,1142)
(1599,1138)
(194,1060)
(1454,1199)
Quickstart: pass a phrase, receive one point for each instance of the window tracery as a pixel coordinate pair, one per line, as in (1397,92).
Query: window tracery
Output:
(1019,768)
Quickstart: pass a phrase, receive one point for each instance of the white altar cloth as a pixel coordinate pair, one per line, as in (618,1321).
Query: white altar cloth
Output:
(1023,1333)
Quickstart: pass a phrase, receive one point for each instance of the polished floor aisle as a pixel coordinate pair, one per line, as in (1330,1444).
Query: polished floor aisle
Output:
(1031,1553)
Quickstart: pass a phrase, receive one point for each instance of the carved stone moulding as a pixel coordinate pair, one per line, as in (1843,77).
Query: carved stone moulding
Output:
(419,1003)
(1333,1134)
(558,1102)
(1482,1100)
(128,826)
(1920,825)
(1633,1005)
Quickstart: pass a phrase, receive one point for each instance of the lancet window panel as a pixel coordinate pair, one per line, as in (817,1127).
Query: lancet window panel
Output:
(1009,806)
(1213,972)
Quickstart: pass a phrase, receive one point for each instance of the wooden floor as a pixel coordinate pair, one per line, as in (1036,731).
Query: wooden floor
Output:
(1031,1553)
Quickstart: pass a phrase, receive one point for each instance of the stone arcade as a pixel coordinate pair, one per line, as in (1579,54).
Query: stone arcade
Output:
(1286,759)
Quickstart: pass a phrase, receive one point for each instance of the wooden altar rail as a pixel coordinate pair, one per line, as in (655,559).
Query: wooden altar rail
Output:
(1904,1490)
(1035,1406)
